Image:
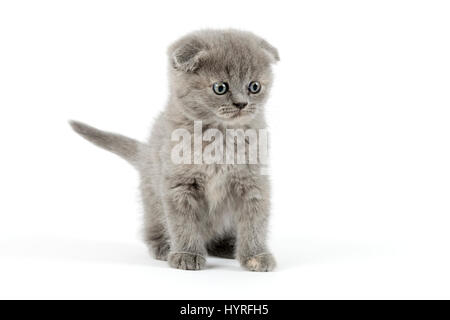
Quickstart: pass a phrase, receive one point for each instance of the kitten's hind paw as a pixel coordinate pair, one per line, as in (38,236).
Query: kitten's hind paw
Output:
(187,261)
(264,262)
(160,251)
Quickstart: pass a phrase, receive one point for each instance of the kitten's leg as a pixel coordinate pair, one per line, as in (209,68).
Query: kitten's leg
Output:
(155,230)
(252,198)
(185,206)
(157,239)
(223,247)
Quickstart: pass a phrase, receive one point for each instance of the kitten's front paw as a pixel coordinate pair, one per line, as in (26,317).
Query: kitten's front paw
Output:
(259,263)
(187,261)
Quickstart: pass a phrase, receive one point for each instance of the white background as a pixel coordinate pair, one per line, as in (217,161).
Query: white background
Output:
(359,120)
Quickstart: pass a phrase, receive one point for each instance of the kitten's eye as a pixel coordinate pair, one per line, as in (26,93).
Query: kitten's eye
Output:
(254,87)
(220,88)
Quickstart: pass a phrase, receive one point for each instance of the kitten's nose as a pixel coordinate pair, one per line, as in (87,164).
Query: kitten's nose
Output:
(240,105)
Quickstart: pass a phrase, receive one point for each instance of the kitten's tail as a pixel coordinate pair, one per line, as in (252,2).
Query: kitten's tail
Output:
(124,147)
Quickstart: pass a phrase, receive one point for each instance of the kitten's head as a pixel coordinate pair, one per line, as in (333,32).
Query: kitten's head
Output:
(221,76)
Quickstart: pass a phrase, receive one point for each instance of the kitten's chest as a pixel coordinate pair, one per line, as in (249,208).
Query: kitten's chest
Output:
(216,189)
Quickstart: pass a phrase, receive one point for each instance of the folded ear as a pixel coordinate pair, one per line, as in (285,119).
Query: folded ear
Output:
(187,57)
(270,50)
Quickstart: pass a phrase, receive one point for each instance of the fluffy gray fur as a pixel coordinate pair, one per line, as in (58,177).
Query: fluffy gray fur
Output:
(193,210)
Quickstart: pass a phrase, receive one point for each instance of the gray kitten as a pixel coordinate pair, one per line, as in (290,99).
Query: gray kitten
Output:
(223,78)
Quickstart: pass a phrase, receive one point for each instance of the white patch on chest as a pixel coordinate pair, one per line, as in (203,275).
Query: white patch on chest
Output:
(216,188)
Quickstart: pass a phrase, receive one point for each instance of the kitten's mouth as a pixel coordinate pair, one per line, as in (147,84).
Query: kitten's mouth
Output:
(242,114)
(232,113)
(236,115)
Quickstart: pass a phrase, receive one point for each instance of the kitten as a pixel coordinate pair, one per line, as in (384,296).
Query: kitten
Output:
(223,78)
